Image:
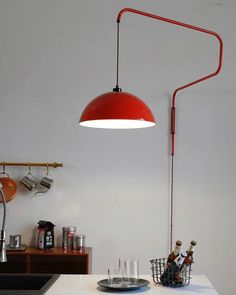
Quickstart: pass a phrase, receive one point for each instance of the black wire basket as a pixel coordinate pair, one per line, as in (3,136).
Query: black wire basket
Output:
(169,275)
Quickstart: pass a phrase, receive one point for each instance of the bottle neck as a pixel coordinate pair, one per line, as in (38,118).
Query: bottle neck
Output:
(191,249)
(176,250)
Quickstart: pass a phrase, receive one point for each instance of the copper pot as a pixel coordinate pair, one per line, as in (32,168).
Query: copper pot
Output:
(9,187)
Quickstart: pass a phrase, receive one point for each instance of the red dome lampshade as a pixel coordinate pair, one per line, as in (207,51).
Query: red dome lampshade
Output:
(117,110)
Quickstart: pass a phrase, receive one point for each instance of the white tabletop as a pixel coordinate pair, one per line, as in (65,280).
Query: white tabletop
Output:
(87,285)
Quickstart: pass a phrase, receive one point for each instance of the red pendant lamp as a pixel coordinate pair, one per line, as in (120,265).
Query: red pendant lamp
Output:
(122,110)
(117,110)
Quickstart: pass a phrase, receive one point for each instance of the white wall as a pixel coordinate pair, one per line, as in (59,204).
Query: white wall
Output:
(55,56)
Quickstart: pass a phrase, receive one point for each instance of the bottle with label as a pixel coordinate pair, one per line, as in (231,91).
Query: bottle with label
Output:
(168,278)
(189,258)
(187,261)
(174,253)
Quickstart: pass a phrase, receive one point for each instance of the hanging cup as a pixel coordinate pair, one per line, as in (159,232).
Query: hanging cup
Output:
(29,181)
(45,184)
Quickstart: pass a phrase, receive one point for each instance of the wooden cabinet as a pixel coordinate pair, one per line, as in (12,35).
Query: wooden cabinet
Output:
(56,260)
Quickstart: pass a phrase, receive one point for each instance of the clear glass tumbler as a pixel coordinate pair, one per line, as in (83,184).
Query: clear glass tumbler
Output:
(131,271)
(114,276)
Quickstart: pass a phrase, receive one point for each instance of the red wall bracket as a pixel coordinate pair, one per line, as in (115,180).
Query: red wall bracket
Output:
(208,76)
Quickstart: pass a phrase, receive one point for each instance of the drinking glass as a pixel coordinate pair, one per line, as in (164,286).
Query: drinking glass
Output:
(125,275)
(114,276)
(131,269)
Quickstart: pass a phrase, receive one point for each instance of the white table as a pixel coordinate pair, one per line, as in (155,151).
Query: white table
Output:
(87,285)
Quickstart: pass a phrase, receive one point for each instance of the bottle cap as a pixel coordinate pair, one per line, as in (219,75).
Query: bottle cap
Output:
(178,243)
(193,243)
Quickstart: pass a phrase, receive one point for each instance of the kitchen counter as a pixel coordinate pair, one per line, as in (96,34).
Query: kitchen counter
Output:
(87,285)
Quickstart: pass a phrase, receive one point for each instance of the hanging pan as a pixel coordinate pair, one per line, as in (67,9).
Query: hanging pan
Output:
(8,186)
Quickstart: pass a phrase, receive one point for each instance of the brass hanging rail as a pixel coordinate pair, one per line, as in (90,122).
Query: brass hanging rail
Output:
(54,164)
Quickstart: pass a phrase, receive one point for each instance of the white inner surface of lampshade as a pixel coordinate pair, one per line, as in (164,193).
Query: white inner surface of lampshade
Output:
(117,124)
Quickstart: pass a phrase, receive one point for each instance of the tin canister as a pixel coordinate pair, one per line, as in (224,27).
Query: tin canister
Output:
(79,243)
(15,241)
(68,233)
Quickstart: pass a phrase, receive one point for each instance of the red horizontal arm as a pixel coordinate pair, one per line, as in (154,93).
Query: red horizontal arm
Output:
(188,26)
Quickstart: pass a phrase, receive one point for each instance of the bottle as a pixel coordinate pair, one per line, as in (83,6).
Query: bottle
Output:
(174,253)
(169,276)
(189,258)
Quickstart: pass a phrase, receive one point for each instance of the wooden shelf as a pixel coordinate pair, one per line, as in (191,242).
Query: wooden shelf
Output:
(55,260)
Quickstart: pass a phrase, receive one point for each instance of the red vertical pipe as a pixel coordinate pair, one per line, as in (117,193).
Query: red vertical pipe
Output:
(172,130)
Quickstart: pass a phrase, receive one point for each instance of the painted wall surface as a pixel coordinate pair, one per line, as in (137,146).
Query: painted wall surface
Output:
(55,56)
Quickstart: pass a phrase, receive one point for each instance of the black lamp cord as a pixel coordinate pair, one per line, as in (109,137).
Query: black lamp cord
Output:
(117,88)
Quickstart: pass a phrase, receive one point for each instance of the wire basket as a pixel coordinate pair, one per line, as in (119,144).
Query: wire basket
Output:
(167,275)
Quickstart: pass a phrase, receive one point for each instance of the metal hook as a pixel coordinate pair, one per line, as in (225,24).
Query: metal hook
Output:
(4,170)
(47,169)
(29,164)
